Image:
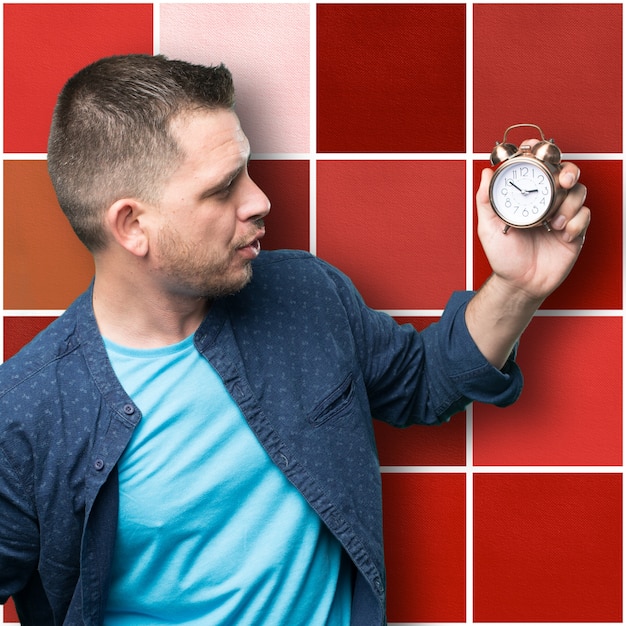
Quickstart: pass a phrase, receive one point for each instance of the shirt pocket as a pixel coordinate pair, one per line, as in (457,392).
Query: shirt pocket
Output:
(335,404)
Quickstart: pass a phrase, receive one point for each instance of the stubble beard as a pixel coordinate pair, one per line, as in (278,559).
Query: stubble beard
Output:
(201,276)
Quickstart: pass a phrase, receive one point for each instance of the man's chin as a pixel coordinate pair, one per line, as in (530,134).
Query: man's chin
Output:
(229,288)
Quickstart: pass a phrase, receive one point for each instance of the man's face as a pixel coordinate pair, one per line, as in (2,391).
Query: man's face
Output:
(210,215)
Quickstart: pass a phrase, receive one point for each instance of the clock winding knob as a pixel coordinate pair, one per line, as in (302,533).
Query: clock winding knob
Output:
(547,151)
(502,152)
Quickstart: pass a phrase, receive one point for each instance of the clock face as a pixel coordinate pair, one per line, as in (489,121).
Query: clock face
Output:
(522,192)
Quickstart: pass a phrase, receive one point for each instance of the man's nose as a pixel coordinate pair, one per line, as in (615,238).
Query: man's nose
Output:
(255,204)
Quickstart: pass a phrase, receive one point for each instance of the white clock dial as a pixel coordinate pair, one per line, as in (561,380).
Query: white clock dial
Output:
(522,192)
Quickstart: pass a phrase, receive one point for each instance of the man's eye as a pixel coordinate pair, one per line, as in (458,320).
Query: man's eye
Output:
(224,192)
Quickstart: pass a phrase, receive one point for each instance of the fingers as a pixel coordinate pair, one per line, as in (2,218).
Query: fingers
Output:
(576,228)
(568,176)
(482,195)
(572,218)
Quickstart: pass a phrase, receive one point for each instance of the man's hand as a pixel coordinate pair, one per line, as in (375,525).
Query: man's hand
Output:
(528,265)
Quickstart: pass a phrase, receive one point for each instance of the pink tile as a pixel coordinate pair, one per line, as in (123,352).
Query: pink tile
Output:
(266,46)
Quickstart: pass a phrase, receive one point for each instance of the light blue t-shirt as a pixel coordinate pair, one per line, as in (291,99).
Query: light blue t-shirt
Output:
(210,531)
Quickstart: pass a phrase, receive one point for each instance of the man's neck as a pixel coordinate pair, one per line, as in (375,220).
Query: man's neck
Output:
(143,319)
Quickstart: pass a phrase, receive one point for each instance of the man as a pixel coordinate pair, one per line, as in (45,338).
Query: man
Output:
(191,442)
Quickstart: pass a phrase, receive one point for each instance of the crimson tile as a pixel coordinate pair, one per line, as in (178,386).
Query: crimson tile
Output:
(547,548)
(286,183)
(424,521)
(10,614)
(18,331)
(421,445)
(390,78)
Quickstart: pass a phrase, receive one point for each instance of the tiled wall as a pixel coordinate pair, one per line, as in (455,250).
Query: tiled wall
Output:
(369,125)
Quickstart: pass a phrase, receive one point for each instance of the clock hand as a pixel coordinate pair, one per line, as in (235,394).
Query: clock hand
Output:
(522,191)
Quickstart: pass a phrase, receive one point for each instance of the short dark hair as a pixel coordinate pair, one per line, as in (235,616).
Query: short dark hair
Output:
(110,135)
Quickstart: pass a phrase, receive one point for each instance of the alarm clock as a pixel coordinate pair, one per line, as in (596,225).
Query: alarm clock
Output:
(525,190)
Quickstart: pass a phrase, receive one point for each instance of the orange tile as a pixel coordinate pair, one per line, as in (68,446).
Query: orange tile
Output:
(45,265)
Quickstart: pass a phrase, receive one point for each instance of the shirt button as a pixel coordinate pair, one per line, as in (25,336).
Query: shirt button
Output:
(129,409)
(99,464)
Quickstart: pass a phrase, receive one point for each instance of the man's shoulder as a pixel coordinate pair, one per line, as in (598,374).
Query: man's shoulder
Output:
(269,258)
(297,264)
(50,345)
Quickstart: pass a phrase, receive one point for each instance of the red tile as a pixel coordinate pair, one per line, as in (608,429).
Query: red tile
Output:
(555,65)
(596,280)
(10,614)
(390,78)
(390,227)
(570,411)
(547,548)
(44,44)
(18,331)
(424,517)
(421,445)
(286,183)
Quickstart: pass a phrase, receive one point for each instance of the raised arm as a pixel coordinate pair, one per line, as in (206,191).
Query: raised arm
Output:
(528,265)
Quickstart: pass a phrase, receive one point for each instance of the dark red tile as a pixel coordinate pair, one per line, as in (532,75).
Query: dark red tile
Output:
(286,183)
(391,78)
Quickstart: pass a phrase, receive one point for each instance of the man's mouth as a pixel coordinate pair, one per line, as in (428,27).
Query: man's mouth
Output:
(251,250)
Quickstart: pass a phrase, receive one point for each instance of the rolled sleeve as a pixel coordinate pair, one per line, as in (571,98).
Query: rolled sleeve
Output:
(461,374)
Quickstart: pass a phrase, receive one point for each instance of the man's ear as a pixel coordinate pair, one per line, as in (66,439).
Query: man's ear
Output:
(125,223)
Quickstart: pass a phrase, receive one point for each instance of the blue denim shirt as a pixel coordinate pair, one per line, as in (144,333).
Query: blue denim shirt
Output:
(309,365)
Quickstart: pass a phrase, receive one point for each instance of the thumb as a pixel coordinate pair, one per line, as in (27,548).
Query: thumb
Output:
(482,195)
